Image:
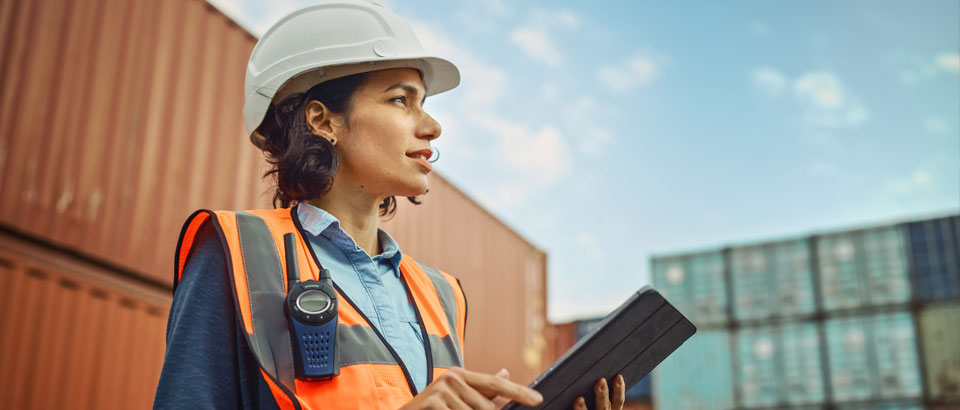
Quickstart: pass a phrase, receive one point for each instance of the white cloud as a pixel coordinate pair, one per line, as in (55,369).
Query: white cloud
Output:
(920,179)
(535,36)
(826,102)
(486,85)
(820,89)
(919,69)
(769,81)
(536,44)
(823,99)
(949,61)
(532,158)
(540,156)
(628,75)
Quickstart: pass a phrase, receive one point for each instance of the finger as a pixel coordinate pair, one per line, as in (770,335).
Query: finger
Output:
(603,397)
(580,404)
(619,393)
(504,374)
(468,395)
(492,386)
(455,403)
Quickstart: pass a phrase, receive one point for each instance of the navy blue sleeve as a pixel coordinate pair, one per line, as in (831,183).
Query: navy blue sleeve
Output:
(207,363)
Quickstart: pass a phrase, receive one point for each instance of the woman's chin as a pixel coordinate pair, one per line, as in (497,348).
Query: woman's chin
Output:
(412,188)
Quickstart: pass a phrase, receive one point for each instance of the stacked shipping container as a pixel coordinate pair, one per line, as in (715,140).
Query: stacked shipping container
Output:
(868,318)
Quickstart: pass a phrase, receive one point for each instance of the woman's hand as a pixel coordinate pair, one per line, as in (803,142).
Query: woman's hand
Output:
(462,389)
(605,400)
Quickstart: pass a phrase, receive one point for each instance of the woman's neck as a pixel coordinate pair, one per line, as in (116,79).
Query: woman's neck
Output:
(357,212)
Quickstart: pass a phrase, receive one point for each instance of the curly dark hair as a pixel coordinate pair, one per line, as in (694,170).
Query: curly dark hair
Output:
(304,163)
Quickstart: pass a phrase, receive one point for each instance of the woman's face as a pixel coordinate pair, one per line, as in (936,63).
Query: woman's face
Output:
(380,149)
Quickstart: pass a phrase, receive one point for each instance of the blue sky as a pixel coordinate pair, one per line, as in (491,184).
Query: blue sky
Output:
(608,132)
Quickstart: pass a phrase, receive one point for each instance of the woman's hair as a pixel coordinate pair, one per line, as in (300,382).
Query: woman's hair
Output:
(302,162)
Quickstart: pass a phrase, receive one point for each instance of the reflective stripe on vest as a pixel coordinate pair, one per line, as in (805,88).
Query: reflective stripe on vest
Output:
(371,374)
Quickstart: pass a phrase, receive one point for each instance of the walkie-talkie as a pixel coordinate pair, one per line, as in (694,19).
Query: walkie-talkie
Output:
(311,310)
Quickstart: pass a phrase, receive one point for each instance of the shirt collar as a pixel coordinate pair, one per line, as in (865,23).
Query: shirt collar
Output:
(318,222)
(391,250)
(315,220)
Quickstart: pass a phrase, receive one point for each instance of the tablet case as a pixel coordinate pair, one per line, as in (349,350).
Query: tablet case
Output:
(631,341)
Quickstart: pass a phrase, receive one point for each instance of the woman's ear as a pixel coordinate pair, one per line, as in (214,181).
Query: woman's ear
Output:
(321,121)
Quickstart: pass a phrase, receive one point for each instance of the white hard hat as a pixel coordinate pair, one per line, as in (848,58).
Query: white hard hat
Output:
(330,40)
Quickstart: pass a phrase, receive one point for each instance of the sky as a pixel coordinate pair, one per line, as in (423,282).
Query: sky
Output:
(607,132)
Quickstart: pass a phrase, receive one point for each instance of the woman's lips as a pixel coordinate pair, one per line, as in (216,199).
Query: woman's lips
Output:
(421,157)
(426,165)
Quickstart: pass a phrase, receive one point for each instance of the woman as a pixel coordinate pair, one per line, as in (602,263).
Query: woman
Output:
(334,97)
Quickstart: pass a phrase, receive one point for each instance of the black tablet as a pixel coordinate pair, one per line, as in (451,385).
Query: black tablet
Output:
(631,341)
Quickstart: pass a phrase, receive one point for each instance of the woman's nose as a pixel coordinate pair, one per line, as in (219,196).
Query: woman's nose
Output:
(429,129)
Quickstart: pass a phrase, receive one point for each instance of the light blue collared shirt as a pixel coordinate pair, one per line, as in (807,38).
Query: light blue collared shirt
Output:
(373,284)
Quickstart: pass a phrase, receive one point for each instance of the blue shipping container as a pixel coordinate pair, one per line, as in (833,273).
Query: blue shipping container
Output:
(708,288)
(752,279)
(898,364)
(873,357)
(640,391)
(779,365)
(839,280)
(849,358)
(791,266)
(802,363)
(694,284)
(863,268)
(935,258)
(884,261)
(783,267)
(757,367)
(669,278)
(696,376)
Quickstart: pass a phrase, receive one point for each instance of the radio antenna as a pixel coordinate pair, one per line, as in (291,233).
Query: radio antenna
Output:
(293,271)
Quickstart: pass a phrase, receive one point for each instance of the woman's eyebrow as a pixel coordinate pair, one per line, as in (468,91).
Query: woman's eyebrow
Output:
(410,88)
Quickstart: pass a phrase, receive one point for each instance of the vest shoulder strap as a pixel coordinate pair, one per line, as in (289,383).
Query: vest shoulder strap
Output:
(250,246)
(452,298)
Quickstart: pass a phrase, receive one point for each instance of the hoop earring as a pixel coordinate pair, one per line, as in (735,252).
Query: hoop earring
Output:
(435,151)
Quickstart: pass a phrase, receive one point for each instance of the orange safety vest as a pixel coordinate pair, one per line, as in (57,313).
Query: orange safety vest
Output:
(372,375)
